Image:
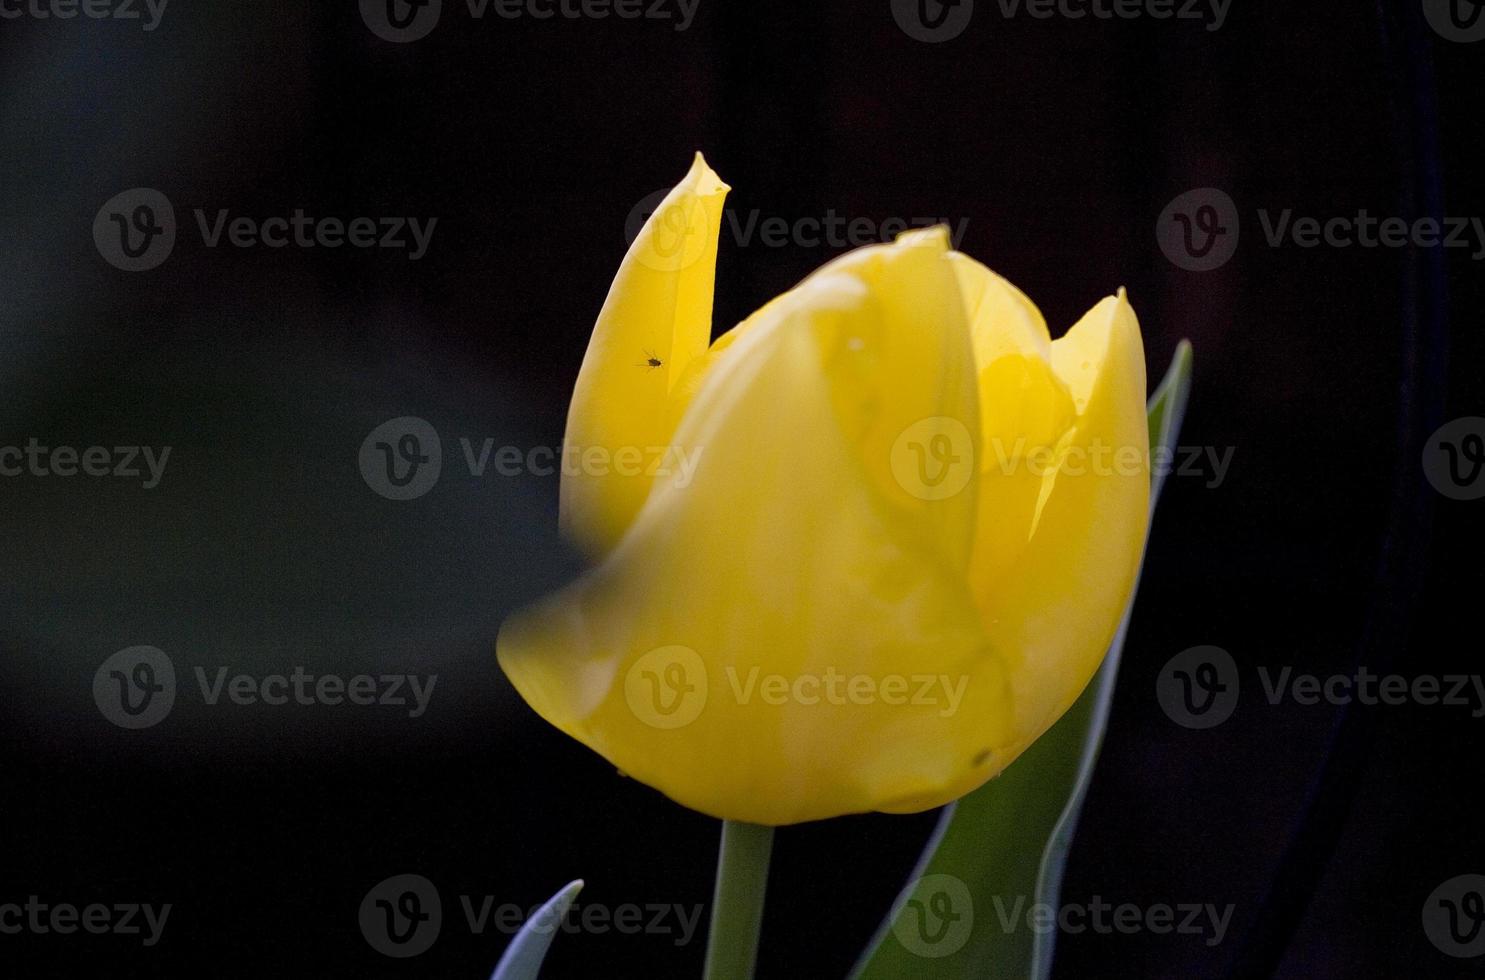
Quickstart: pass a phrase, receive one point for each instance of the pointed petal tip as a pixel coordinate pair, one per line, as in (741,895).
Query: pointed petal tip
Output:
(936,237)
(1122,302)
(704,179)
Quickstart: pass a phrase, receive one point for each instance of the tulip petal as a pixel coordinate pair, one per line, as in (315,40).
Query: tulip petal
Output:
(784,636)
(1056,615)
(1025,409)
(656,320)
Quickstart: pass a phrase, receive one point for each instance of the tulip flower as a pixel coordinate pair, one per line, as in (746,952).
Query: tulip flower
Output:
(868,545)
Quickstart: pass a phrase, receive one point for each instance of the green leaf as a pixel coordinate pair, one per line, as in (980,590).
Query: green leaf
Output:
(1001,850)
(524,956)
(1168,410)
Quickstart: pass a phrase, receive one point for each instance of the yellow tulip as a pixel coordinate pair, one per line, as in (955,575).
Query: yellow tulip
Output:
(868,545)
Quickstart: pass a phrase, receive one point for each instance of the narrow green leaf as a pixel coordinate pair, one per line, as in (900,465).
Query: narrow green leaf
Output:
(1001,850)
(525,954)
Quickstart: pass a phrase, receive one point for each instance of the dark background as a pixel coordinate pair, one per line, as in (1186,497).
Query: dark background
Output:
(531,141)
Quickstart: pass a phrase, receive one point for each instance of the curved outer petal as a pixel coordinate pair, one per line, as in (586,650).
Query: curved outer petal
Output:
(660,308)
(790,636)
(1055,614)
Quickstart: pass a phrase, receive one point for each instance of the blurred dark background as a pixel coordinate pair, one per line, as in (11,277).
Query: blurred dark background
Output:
(1057,142)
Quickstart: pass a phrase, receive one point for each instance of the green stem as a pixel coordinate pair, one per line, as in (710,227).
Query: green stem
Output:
(737,903)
